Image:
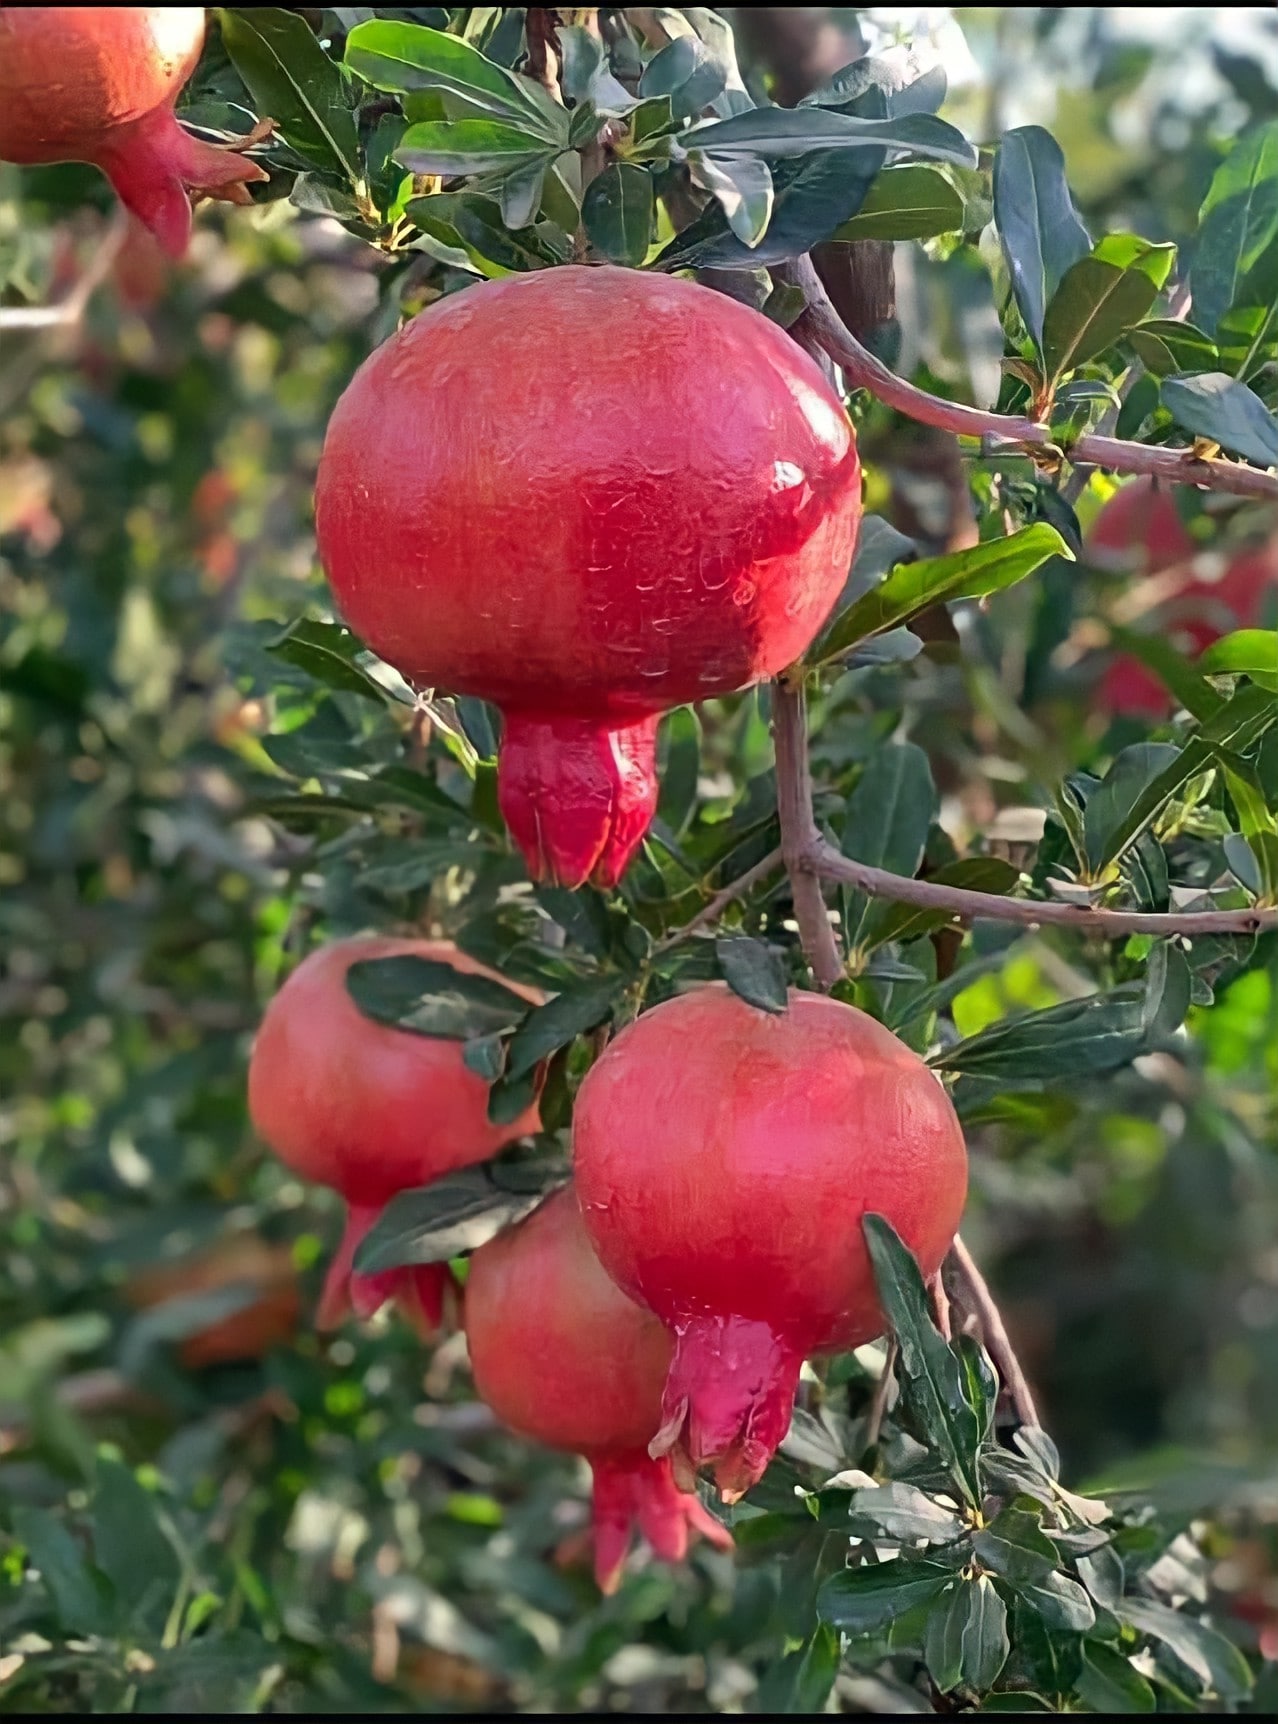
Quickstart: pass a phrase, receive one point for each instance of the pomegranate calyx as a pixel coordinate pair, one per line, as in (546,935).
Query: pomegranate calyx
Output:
(156,167)
(423,1294)
(633,1490)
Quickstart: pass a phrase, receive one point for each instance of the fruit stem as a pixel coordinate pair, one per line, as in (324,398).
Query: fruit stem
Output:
(799,834)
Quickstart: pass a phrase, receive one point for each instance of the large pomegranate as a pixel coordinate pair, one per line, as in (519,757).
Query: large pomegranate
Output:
(724,1159)
(589,495)
(98,84)
(1139,532)
(370,1111)
(562,1356)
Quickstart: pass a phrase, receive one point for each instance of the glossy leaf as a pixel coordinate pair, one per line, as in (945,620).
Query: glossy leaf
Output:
(1214,1660)
(1238,226)
(912,201)
(686,72)
(430,998)
(860,1599)
(560,1021)
(1101,1032)
(618,211)
(887,820)
(456,1214)
(1110,804)
(1246,652)
(1165,345)
(292,80)
(742,187)
(403,57)
(1224,411)
(1040,231)
(774,133)
(903,1514)
(753,971)
(451,147)
(1014,1545)
(1100,297)
(326,652)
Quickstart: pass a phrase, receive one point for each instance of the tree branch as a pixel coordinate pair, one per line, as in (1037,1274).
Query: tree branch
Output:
(739,888)
(972,1293)
(72,307)
(825,862)
(799,836)
(863,371)
(542,32)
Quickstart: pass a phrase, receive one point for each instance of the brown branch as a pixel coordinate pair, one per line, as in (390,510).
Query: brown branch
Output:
(879,1399)
(972,1292)
(739,888)
(73,306)
(825,862)
(542,32)
(863,371)
(799,836)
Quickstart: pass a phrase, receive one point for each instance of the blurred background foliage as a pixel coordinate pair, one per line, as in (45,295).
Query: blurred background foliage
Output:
(363,1537)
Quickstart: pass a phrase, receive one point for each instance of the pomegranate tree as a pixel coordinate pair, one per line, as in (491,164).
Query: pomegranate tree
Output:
(97,84)
(724,1160)
(564,1357)
(587,495)
(1139,532)
(370,1111)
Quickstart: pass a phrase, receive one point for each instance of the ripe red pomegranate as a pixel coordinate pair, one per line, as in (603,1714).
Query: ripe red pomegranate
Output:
(562,1356)
(724,1159)
(589,495)
(1139,532)
(370,1111)
(98,84)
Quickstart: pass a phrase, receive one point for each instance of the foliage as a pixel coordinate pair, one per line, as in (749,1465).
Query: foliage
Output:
(205,774)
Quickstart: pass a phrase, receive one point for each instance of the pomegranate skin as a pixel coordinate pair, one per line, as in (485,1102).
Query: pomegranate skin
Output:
(370,1111)
(561,1355)
(1139,532)
(97,84)
(724,1159)
(588,495)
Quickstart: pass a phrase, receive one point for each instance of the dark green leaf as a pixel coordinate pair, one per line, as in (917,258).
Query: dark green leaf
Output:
(130,1546)
(1100,297)
(887,820)
(912,201)
(430,998)
(801,1681)
(1108,1683)
(471,147)
(777,132)
(456,1214)
(742,187)
(326,652)
(903,1514)
(293,81)
(1238,223)
(1214,1660)
(943,1639)
(618,211)
(586,76)
(476,222)
(561,1021)
(1110,804)
(1015,1546)
(753,971)
(406,57)
(1164,345)
(914,587)
(980,1384)
(79,1593)
(1101,1032)
(1061,1602)
(678,796)
(1041,232)
(932,1379)
(1101,1571)
(1226,412)
(860,1599)
(686,72)
(966,1643)
(901,81)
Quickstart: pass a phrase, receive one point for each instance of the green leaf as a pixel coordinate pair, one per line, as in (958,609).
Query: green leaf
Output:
(585,75)
(913,587)
(966,1643)
(678,796)
(742,187)
(753,971)
(1171,668)
(1214,1660)
(943,1639)
(1100,297)
(1238,224)
(1015,1546)
(560,1021)
(903,1514)
(801,1681)
(1225,411)
(618,210)
(1101,1032)
(1061,1602)
(470,147)
(1041,233)
(428,998)
(326,652)
(860,1599)
(405,57)
(476,223)
(292,80)
(1110,804)
(456,1214)
(1107,1682)
(1164,345)
(80,1596)
(912,201)
(130,1546)
(932,1379)
(519,192)
(687,73)
(1246,652)
(777,132)
(887,820)
(970,874)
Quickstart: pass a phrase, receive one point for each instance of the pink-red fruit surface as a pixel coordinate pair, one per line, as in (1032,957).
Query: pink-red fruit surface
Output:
(588,495)
(97,84)
(724,1158)
(561,1355)
(370,1110)
(1139,532)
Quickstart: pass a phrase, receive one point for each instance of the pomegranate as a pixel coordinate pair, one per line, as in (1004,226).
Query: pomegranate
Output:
(1140,532)
(370,1110)
(588,495)
(724,1159)
(562,1356)
(97,84)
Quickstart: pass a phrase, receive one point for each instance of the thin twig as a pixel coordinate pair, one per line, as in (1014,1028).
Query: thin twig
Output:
(825,862)
(972,1291)
(70,309)
(799,836)
(939,1300)
(739,888)
(863,371)
(542,31)
(879,1399)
